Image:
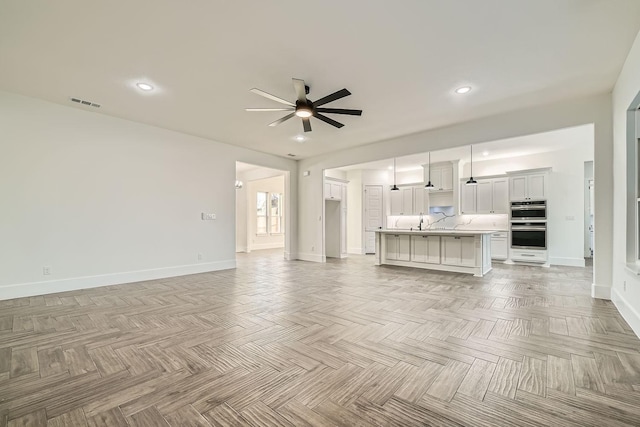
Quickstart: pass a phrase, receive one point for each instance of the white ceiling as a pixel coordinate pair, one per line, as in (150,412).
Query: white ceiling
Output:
(401,61)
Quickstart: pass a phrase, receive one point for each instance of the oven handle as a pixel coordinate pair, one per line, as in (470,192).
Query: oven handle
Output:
(527,228)
(527,208)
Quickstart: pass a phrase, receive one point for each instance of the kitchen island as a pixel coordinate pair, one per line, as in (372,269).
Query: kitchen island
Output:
(461,251)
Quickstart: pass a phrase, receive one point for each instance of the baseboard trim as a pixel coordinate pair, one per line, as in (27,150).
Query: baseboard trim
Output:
(311,257)
(354,250)
(627,311)
(569,262)
(600,291)
(260,246)
(53,286)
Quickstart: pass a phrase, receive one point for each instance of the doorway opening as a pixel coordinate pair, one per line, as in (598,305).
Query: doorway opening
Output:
(554,167)
(334,228)
(262,207)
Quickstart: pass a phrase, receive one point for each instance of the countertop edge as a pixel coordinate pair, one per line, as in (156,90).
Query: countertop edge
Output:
(440,232)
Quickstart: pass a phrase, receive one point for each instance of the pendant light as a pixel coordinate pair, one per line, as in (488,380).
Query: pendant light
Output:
(471,181)
(429,185)
(395,187)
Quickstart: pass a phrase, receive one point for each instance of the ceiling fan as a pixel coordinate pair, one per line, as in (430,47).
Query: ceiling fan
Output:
(305,108)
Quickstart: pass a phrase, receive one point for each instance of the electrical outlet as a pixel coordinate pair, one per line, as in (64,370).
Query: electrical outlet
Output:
(624,286)
(199,257)
(313,248)
(46,271)
(208,216)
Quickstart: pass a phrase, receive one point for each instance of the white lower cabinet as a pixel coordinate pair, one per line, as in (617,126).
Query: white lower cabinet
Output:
(500,245)
(525,255)
(398,247)
(458,250)
(425,249)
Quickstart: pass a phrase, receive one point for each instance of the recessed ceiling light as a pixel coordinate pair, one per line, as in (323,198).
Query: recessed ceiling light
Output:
(463,89)
(300,138)
(485,153)
(144,86)
(390,168)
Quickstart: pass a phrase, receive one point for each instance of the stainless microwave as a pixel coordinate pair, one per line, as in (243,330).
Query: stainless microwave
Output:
(529,210)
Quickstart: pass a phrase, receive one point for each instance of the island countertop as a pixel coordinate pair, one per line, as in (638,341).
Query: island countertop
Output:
(437,232)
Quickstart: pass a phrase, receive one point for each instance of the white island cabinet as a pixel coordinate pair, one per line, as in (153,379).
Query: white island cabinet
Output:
(462,251)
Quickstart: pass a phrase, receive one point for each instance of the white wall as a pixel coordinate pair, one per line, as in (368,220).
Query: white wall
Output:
(262,241)
(355,211)
(103,200)
(626,89)
(409,177)
(241,218)
(596,109)
(337,174)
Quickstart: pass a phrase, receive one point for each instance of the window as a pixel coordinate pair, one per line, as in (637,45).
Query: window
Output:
(261,212)
(269,216)
(633,186)
(275,213)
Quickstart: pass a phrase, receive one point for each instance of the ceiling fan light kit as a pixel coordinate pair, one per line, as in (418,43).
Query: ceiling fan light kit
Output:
(305,108)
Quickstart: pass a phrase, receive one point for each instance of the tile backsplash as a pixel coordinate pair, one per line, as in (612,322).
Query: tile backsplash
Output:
(444,220)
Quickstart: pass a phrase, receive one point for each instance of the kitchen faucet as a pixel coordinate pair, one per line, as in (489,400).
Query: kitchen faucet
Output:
(420,223)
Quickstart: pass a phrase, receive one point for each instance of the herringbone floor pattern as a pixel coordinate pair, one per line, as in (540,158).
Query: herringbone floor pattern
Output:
(276,343)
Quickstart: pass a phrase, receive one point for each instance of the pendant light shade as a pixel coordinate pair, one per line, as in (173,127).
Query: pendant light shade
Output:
(429,185)
(471,181)
(395,187)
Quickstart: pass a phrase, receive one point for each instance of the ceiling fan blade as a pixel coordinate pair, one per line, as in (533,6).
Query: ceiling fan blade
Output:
(306,124)
(269,109)
(334,96)
(328,120)
(272,97)
(339,111)
(298,85)
(287,117)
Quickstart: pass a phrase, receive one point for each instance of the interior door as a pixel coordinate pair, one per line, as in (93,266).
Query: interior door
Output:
(373,212)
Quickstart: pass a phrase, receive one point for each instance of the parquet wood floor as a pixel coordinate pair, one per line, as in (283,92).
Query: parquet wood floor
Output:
(277,343)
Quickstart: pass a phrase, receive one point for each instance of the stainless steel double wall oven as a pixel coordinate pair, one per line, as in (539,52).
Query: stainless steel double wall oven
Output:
(529,224)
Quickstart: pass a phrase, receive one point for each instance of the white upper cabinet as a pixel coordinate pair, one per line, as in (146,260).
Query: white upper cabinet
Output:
(518,187)
(490,196)
(395,202)
(528,186)
(420,201)
(500,195)
(536,187)
(441,177)
(401,202)
(484,197)
(407,200)
(467,199)
(333,190)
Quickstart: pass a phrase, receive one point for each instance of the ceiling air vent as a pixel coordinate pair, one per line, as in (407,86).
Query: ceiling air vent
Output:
(85,102)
